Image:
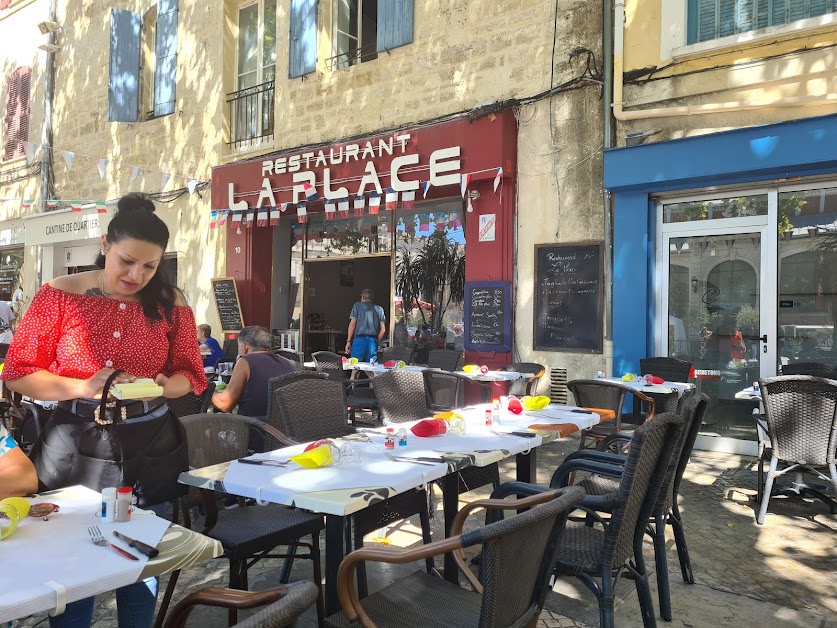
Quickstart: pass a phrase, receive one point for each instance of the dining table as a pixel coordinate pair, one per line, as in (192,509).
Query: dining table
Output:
(346,487)
(48,562)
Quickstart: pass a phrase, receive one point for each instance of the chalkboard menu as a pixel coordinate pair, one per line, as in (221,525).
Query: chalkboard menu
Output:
(568,297)
(488,316)
(226,300)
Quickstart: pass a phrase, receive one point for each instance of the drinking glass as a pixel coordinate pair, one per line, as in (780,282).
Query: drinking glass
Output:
(349,454)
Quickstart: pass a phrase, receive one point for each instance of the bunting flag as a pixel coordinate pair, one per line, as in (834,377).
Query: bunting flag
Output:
(30,152)
(68,158)
(251,216)
(275,212)
(101,207)
(469,206)
(391,199)
(261,217)
(440,222)
(498,178)
(213,217)
(343,208)
(26,204)
(134,173)
(464,180)
(192,185)
(330,209)
(455,223)
(51,204)
(360,204)
(75,206)
(301,212)
(102,165)
(283,207)
(164,178)
(424,188)
(236,218)
(310,192)
(223,218)
(424,223)
(408,199)
(374,202)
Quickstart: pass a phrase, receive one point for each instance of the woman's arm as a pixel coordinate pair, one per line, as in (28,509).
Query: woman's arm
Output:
(17,474)
(174,386)
(48,386)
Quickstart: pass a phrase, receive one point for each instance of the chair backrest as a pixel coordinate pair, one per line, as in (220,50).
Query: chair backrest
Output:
(329,363)
(404,354)
(310,408)
(518,554)
(445,359)
(446,390)
(652,446)
(190,403)
(526,385)
(273,412)
(293,356)
(594,393)
(216,437)
(693,410)
(400,396)
(670,369)
(296,599)
(231,348)
(801,413)
(817,369)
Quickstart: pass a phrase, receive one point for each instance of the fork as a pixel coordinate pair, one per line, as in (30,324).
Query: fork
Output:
(413,460)
(265,462)
(98,538)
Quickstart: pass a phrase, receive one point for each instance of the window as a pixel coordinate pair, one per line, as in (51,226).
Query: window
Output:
(143,63)
(17,113)
(711,19)
(363,28)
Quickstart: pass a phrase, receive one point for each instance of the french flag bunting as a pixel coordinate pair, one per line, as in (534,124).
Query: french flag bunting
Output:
(498,178)
(250,217)
(26,203)
(310,193)
(274,216)
(301,213)
(236,217)
(359,204)
(261,218)
(222,220)
(425,186)
(424,223)
(213,218)
(374,202)
(75,206)
(283,207)
(101,208)
(52,204)
(408,199)
(464,180)
(330,209)
(440,222)
(343,207)
(391,199)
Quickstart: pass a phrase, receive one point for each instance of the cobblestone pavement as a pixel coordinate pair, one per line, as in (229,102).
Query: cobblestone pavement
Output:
(784,569)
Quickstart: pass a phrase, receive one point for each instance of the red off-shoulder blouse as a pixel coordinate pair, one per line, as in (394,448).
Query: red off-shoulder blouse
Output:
(76,335)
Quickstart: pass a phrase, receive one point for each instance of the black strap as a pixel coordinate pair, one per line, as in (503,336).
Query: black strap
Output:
(106,392)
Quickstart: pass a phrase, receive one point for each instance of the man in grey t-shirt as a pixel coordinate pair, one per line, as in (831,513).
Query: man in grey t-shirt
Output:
(366,328)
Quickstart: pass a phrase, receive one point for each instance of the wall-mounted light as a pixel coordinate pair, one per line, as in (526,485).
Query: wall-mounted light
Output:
(50,47)
(694,284)
(49,27)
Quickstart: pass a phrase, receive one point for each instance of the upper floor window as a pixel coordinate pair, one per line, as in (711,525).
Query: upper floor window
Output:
(143,63)
(17,113)
(711,19)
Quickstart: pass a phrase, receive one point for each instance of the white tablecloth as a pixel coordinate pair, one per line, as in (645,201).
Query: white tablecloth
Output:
(680,387)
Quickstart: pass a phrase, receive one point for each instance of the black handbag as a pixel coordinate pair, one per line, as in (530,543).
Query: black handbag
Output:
(147,451)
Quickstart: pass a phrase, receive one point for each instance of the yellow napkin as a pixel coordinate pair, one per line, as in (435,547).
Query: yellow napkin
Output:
(628,377)
(353,360)
(15,508)
(142,387)
(313,458)
(471,368)
(401,364)
(538,402)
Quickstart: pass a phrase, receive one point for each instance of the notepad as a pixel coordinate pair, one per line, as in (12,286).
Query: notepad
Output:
(142,387)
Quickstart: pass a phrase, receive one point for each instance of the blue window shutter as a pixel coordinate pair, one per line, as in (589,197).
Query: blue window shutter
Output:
(165,69)
(123,89)
(395,23)
(707,20)
(303,44)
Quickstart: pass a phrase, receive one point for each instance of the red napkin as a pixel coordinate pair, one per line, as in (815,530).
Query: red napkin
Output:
(483,369)
(389,364)
(653,379)
(430,427)
(345,359)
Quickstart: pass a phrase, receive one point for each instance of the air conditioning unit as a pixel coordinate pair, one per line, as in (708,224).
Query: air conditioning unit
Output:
(558,385)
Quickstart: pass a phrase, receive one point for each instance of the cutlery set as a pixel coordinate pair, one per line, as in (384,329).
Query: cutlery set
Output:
(98,538)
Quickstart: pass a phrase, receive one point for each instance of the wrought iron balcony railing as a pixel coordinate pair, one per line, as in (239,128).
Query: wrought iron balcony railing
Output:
(251,114)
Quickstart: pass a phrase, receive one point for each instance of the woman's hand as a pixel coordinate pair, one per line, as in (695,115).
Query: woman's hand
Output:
(162,381)
(92,387)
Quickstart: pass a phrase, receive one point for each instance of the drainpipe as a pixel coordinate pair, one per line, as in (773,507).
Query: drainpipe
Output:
(49,95)
(690,110)
(607,114)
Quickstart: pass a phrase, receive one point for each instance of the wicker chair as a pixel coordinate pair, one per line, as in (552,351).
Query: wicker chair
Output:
(666,510)
(405,354)
(190,403)
(445,359)
(517,556)
(293,356)
(801,414)
(815,369)
(400,396)
(359,394)
(286,604)
(446,390)
(525,385)
(247,533)
(594,393)
(670,369)
(588,552)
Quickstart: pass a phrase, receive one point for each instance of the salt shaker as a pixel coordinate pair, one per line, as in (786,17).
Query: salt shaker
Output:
(389,441)
(108,504)
(124,498)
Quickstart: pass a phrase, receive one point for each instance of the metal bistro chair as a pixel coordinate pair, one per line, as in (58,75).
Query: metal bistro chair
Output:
(284,605)
(801,414)
(816,369)
(401,396)
(445,359)
(594,393)
(517,557)
(359,394)
(404,354)
(528,384)
(670,369)
(591,553)
(190,403)
(293,356)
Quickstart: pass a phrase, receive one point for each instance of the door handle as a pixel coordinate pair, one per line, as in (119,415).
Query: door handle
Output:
(760,338)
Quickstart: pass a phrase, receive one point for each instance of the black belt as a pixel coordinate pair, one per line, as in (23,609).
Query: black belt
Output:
(87,408)
(364,335)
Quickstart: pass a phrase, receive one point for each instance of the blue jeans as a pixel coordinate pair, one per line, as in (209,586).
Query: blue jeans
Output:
(365,348)
(135,605)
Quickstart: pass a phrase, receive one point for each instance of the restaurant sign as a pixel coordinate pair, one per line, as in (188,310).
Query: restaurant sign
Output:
(64,226)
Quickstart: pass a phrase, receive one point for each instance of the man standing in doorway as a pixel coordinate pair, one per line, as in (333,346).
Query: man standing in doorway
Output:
(366,328)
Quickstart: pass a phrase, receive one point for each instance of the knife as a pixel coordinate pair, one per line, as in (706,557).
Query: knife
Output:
(122,552)
(141,547)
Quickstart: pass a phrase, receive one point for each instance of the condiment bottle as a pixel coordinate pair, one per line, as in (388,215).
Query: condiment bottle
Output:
(495,410)
(389,441)
(108,504)
(124,497)
(489,419)
(402,437)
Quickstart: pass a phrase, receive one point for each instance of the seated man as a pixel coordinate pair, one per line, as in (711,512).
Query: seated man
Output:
(205,338)
(248,383)
(17,473)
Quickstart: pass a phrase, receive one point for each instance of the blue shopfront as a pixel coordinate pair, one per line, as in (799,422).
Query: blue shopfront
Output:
(725,254)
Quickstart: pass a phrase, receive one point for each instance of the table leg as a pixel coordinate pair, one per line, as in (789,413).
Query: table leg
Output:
(450,502)
(527,467)
(333,557)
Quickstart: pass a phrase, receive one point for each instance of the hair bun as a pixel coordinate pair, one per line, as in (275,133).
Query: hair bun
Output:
(135,202)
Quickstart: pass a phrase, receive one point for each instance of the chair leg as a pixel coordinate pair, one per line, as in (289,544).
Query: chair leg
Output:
(676,522)
(606,600)
(164,607)
(768,488)
(236,569)
(426,538)
(318,578)
(661,563)
(643,590)
(362,588)
(760,484)
(285,577)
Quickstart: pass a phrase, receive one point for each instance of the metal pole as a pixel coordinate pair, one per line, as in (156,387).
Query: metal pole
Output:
(608,131)
(49,95)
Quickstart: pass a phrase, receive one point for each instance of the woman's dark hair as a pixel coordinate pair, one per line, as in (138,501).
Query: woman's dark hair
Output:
(135,219)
